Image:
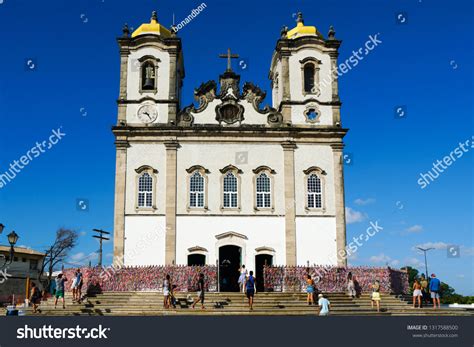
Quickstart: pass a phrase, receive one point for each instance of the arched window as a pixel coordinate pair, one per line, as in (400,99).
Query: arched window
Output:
(309,73)
(263,192)
(145,190)
(314,191)
(148,76)
(196,190)
(230,191)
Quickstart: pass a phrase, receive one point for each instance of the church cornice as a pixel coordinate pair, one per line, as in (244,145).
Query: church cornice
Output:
(214,130)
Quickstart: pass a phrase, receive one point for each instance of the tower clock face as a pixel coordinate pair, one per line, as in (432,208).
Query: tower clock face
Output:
(147,114)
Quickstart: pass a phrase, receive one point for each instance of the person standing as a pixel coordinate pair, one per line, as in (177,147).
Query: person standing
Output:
(35,297)
(79,282)
(416,293)
(74,287)
(60,290)
(324,305)
(166,291)
(242,278)
(309,290)
(424,290)
(376,295)
(435,286)
(350,286)
(201,288)
(250,288)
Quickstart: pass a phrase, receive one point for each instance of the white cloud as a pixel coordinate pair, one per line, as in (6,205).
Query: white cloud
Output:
(460,276)
(363,202)
(82,233)
(77,256)
(414,262)
(415,228)
(353,216)
(384,259)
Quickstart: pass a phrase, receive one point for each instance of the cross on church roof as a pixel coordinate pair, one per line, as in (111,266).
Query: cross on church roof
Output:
(229,56)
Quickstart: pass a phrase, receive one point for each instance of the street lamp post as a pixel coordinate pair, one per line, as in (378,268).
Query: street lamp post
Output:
(424,250)
(12,240)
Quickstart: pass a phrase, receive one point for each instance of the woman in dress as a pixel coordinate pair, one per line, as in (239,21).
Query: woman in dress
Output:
(242,278)
(166,291)
(35,297)
(309,289)
(350,286)
(376,294)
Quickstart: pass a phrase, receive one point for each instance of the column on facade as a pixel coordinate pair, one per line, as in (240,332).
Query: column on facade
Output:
(340,206)
(170,209)
(285,84)
(172,106)
(122,107)
(121,145)
(290,204)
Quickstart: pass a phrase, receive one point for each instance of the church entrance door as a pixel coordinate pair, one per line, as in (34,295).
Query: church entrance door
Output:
(230,258)
(260,261)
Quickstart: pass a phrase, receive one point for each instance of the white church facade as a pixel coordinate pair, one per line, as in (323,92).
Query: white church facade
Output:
(227,181)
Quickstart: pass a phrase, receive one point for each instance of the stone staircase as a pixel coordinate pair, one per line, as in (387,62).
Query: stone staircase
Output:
(268,304)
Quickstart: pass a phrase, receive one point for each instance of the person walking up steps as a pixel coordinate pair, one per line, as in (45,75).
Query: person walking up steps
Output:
(350,286)
(35,297)
(250,288)
(309,290)
(200,297)
(166,292)
(435,285)
(324,305)
(242,278)
(60,290)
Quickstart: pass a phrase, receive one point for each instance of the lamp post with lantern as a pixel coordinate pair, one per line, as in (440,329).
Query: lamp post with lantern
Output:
(12,239)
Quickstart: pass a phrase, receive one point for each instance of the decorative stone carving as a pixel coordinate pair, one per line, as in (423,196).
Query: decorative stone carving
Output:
(230,111)
(205,94)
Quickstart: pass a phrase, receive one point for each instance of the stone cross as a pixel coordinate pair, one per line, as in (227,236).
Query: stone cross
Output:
(229,56)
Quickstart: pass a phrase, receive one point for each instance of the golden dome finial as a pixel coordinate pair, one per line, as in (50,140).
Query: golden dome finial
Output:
(300,18)
(152,28)
(154,17)
(301,29)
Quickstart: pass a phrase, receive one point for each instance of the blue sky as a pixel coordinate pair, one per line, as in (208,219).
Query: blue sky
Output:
(423,64)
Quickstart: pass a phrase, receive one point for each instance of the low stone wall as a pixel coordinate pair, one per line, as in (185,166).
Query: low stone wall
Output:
(143,278)
(334,279)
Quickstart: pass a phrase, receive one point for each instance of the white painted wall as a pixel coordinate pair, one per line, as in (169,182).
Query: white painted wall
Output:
(144,240)
(316,240)
(260,231)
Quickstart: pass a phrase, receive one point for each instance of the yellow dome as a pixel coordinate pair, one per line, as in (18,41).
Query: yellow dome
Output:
(152,28)
(301,29)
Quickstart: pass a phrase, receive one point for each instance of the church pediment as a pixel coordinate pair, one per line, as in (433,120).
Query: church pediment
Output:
(229,106)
